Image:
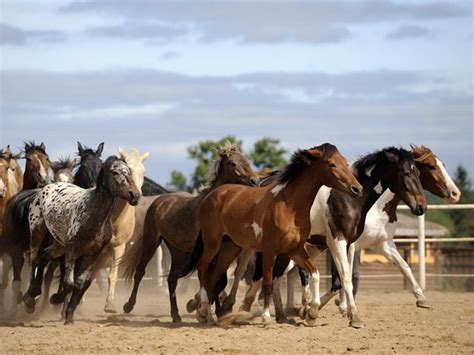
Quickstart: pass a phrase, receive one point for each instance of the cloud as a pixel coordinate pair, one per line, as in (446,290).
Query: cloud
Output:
(269,22)
(409,32)
(169,55)
(10,35)
(164,112)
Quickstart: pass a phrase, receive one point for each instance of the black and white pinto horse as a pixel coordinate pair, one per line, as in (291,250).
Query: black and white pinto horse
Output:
(337,222)
(80,222)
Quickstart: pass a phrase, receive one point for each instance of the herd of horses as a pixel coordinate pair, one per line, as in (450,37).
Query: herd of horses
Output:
(80,215)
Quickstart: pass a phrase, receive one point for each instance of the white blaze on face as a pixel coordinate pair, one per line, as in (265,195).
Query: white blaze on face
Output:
(278,188)
(2,187)
(378,188)
(454,193)
(42,170)
(257,229)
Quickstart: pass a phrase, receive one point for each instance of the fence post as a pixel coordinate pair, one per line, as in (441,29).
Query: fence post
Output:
(421,251)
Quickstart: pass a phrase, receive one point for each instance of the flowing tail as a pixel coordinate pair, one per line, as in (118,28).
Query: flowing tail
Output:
(194,258)
(131,258)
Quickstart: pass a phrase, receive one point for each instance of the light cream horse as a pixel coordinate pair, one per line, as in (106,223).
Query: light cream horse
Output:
(123,226)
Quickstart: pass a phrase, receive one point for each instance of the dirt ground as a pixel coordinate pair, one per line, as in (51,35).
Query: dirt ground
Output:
(392,324)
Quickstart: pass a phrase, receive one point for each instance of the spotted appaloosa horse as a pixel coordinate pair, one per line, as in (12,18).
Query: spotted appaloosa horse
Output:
(379,228)
(172,217)
(15,239)
(272,219)
(80,221)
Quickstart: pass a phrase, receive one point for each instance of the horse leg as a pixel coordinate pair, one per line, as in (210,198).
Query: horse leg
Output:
(338,249)
(178,258)
(290,290)
(159,262)
(48,279)
(389,250)
(335,284)
(268,259)
(147,255)
(118,252)
(37,273)
(17,262)
(6,267)
(229,301)
(68,280)
(306,293)
(342,296)
(82,281)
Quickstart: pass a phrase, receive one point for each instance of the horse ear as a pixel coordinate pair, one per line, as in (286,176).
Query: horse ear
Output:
(7,150)
(43,146)
(121,153)
(145,156)
(100,148)
(314,154)
(391,156)
(80,149)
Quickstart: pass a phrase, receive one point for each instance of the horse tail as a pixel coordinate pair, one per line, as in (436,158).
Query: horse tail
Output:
(131,259)
(194,258)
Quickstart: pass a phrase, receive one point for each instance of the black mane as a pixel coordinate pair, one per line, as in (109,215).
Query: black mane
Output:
(375,158)
(31,146)
(63,162)
(301,159)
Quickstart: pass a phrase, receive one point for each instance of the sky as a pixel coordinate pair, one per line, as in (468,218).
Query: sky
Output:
(159,76)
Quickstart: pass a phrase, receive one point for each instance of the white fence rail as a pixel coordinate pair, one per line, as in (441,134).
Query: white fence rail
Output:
(422,240)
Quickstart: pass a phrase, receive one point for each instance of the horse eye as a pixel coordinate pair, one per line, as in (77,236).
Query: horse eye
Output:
(233,164)
(432,167)
(332,165)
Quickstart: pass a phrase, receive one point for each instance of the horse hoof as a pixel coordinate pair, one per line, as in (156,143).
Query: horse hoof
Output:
(283,320)
(191,306)
(303,312)
(177,319)
(68,322)
(127,307)
(356,322)
(201,318)
(266,320)
(56,299)
(245,307)
(110,309)
(29,302)
(423,304)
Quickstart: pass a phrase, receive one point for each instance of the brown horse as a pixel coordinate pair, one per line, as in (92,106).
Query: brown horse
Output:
(171,217)
(15,238)
(273,219)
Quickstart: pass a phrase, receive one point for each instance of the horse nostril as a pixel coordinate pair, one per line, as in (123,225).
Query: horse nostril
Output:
(454,193)
(131,195)
(355,190)
(420,210)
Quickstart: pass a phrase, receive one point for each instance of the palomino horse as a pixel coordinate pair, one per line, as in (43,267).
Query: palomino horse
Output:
(171,217)
(15,239)
(15,173)
(80,221)
(337,220)
(123,217)
(379,228)
(273,219)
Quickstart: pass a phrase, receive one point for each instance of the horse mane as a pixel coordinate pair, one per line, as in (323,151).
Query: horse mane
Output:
(152,188)
(63,162)
(365,163)
(31,146)
(225,151)
(301,159)
(108,162)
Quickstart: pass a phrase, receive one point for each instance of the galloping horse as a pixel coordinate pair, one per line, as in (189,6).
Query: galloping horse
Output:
(123,222)
(171,217)
(15,238)
(80,221)
(379,228)
(273,219)
(337,221)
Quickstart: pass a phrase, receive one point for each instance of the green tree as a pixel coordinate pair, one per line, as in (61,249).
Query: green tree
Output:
(463,219)
(205,152)
(178,181)
(267,153)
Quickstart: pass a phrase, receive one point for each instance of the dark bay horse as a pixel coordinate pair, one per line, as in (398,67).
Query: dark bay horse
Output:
(171,217)
(89,167)
(337,221)
(80,221)
(379,228)
(272,219)
(15,238)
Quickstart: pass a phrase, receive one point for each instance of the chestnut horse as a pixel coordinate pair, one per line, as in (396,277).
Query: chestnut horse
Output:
(337,220)
(171,217)
(273,219)
(379,228)
(15,238)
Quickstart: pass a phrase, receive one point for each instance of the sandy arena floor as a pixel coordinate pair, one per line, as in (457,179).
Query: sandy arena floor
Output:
(392,325)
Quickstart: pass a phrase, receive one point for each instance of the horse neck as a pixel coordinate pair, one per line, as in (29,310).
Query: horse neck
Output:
(103,202)
(299,192)
(121,206)
(18,178)
(29,182)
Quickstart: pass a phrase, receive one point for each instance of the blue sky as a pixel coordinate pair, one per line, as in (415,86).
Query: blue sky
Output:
(162,75)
